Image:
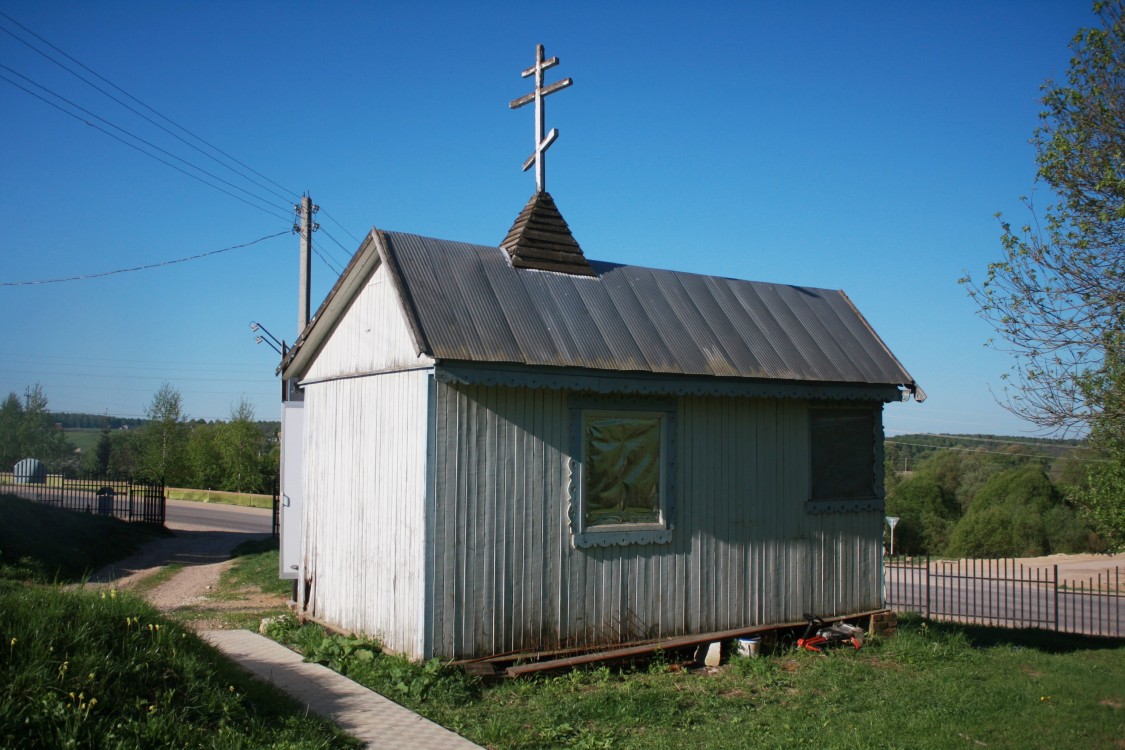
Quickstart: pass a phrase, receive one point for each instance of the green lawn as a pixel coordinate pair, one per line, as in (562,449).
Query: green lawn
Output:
(100,668)
(138,685)
(930,686)
(216,496)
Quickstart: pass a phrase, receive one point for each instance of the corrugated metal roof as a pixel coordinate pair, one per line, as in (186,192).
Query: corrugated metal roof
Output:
(471,304)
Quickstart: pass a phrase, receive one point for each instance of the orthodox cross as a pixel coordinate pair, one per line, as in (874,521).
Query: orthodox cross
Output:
(542,140)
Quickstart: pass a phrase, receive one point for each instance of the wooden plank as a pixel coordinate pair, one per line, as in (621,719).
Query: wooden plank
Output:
(666,644)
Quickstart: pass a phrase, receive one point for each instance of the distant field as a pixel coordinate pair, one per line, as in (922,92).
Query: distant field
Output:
(83,439)
(215,496)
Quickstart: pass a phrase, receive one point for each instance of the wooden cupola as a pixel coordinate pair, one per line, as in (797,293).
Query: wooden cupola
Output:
(540,238)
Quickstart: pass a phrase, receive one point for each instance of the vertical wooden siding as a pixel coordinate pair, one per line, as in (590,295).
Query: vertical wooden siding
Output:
(365,476)
(505,575)
(372,336)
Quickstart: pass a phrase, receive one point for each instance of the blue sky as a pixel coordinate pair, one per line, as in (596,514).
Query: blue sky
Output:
(855,146)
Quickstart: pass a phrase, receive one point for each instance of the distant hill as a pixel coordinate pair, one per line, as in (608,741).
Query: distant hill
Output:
(75,421)
(904,450)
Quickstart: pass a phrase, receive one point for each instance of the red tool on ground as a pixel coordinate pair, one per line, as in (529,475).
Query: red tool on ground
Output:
(820,635)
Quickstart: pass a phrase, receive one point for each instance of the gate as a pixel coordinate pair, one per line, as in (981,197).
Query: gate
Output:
(126,499)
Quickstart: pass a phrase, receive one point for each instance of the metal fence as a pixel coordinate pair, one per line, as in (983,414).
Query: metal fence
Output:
(1007,593)
(122,498)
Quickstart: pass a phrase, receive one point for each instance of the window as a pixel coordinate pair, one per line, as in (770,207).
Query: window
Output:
(621,472)
(843,458)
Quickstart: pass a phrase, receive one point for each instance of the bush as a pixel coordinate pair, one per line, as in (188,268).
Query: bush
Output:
(926,516)
(1017,513)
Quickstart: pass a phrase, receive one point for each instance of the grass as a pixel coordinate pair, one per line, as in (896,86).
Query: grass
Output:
(85,668)
(931,686)
(215,496)
(83,438)
(148,583)
(255,567)
(102,669)
(45,544)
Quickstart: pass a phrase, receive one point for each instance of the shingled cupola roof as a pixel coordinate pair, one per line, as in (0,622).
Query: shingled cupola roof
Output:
(540,238)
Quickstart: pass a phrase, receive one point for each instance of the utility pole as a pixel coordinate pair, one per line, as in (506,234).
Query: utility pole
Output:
(305,226)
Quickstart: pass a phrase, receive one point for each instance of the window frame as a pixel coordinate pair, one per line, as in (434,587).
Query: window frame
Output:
(874,501)
(602,535)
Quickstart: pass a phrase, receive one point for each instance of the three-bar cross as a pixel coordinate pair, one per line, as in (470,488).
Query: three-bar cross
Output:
(542,140)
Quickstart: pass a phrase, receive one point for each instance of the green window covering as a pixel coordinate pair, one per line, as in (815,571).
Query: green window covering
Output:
(623,468)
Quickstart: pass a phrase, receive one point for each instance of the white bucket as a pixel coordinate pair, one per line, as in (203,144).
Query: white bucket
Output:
(749,646)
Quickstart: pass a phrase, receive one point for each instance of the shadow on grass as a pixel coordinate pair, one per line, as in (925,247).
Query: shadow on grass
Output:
(983,636)
(184,548)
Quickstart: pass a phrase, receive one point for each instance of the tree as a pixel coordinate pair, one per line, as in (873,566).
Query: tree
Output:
(11,417)
(1102,497)
(164,455)
(203,457)
(1017,512)
(240,446)
(97,461)
(28,430)
(1057,299)
(926,516)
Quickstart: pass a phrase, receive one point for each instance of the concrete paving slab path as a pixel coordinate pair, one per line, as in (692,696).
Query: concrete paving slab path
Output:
(377,721)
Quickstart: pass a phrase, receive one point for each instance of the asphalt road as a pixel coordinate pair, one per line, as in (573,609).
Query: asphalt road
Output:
(193,516)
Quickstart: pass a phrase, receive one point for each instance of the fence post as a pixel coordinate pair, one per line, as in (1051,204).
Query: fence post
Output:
(927,586)
(1056,587)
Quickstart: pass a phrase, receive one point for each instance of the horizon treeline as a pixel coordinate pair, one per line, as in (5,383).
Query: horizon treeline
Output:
(241,454)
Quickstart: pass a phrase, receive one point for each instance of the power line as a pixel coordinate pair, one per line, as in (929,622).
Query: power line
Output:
(347,253)
(145,267)
(288,197)
(333,220)
(327,262)
(138,148)
(132,135)
(38,360)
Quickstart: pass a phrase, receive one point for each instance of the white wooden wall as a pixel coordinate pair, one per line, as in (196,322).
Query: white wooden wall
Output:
(505,575)
(365,485)
(366,411)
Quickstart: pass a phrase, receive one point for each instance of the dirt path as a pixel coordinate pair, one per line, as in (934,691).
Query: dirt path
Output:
(204,554)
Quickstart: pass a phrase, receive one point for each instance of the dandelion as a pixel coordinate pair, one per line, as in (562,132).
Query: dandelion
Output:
(90,677)
(103,595)
(113,593)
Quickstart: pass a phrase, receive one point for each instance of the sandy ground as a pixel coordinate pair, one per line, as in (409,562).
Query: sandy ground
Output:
(205,554)
(1095,572)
